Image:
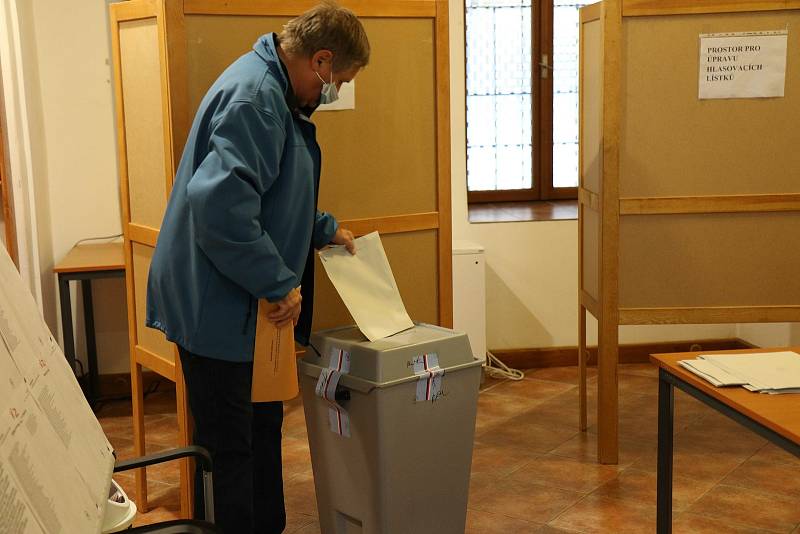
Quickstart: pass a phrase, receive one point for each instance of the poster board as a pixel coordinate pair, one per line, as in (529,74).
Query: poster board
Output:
(697,201)
(55,461)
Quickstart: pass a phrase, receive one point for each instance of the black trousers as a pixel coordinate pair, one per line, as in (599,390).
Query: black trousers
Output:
(244,440)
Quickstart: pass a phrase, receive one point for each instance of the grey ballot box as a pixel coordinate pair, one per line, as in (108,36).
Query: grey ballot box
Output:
(405,466)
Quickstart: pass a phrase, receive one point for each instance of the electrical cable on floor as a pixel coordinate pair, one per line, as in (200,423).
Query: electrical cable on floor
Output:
(497,369)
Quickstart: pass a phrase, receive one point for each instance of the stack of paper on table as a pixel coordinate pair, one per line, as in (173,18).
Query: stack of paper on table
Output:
(766,372)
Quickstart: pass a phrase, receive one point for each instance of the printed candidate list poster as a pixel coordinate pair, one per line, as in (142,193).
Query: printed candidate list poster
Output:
(743,65)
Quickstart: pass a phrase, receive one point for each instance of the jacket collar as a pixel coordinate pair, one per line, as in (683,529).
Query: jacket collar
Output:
(266,49)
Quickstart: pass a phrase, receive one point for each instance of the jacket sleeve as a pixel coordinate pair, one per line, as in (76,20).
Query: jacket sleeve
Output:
(325,226)
(243,161)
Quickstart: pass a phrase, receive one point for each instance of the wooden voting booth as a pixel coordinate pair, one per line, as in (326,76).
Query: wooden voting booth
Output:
(689,208)
(386,164)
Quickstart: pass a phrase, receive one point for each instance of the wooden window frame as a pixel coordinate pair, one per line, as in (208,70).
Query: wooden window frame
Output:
(541,119)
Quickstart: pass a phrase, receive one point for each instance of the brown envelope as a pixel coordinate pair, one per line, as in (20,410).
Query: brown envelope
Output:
(274,359)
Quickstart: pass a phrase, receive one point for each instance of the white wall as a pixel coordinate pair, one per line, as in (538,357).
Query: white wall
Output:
(531,267)
(66,52)
(770,335)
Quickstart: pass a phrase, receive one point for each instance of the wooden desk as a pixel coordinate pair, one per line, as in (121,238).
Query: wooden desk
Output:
(774,417)
(86,263)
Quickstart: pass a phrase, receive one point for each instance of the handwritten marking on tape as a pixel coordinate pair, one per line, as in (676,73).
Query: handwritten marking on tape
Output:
(431,377)
(327,383)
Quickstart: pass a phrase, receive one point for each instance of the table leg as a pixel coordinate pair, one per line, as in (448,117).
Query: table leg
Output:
(91,342)
(66,321)
(666,410)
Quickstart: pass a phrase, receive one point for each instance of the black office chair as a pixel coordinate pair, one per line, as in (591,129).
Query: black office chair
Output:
(179,526)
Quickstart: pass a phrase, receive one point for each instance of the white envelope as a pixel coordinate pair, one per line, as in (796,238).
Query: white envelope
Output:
(366,284)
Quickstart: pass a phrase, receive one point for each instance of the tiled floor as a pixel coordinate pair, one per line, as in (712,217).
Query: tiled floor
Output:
(534,472)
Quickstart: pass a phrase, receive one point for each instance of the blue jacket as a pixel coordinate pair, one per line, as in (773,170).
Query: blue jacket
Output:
(242,217)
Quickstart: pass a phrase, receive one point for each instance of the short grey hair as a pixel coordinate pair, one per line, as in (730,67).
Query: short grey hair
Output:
(328,26)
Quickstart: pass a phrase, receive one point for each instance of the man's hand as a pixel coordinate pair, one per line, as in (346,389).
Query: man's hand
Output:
(344,237)
(288,309)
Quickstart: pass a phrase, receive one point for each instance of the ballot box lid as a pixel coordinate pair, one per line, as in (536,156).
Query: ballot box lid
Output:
(394,359)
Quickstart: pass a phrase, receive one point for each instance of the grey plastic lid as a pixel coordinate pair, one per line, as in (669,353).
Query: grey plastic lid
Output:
(389,360)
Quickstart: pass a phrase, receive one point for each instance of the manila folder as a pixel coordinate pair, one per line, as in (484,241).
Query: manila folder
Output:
(274,359)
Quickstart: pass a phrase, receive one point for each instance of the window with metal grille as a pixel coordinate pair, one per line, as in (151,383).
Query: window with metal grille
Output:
(522,99)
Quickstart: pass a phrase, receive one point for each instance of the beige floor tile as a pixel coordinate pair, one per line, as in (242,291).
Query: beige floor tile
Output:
(497,461)
(296,456)
(641,369)
(565,473)
(770,477)
(487,423)
(713,434)
(640,486)
(501,406)
(696,462)
(548,529)
(772,453)
(635,425)
(567,375)
(531,389)
(161,429)
(636,384)
(526,436)
(294,421)
(688,523)
(562,411)
(488,523)
(749,508)
(117,426)
(583,447)
(299,494)
(296,521)
(603,515)
(523,500)
(311,528)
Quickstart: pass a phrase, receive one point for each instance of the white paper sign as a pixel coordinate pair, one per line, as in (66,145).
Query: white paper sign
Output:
(347,98)
(743,65)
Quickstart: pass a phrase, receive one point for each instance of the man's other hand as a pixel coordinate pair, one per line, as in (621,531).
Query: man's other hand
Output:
(288,310)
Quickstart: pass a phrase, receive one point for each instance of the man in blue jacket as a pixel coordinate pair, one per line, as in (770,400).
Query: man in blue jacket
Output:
(241,225)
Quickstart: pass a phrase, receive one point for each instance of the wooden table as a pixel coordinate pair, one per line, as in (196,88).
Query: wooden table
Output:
(86,263)
(774,417)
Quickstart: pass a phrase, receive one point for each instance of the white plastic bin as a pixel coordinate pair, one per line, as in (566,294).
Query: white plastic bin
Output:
(119,515)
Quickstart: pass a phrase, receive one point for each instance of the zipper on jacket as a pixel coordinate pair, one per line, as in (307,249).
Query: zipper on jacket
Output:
(249,314)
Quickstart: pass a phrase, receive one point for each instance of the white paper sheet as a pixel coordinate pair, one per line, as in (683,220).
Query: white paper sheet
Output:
(711,373)
(366,284)
(764,371)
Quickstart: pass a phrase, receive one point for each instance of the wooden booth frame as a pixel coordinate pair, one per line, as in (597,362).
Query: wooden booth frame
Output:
(610,216)
(150,147)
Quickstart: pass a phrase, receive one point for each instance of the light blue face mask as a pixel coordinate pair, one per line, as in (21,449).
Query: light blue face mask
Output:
(329,92)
